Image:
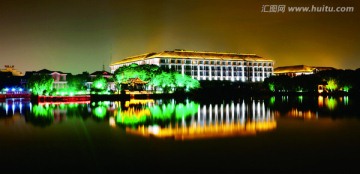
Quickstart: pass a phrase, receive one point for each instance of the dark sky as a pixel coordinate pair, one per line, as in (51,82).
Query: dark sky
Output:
(82,35)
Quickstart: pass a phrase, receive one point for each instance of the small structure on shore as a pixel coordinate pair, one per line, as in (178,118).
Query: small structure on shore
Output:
(134,84)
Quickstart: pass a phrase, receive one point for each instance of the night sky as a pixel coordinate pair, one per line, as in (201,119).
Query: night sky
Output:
(82,35)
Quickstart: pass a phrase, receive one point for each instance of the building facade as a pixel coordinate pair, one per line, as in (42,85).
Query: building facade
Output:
(298,70)
(58,76)
(207,65)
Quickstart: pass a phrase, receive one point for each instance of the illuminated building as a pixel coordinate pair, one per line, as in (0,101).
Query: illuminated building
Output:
(10,68)
(134,84)
(103,73)
(58,76)
(207,65)
(297,70)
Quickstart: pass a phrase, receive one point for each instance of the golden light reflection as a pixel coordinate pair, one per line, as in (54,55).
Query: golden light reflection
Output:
(320,101)
(138,101)
(112,122)
(196,131)
(133,112)
(308,114)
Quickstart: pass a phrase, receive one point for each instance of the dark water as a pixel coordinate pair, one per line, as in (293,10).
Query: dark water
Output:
(277,134)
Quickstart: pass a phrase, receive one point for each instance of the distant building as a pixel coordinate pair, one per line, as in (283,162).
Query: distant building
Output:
(297,70)
(58,76)
(207,65)
(10,68)
(103,73)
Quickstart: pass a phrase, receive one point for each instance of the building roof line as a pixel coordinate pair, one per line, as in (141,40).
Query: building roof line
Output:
(193,55)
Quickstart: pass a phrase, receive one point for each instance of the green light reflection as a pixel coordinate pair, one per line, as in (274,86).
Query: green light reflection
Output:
(42,111)
(99,112)
(331,103)
(346,100)
(272,100)
(164,112)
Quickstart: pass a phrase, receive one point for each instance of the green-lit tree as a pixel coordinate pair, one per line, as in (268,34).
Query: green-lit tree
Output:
(278,83)
(99,84)
(40,84)
(332,85)
(157,78)
(77,82)
(185,81)
(164,81)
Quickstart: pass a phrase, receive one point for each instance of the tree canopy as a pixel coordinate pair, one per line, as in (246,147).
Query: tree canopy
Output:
(157,78)
(40,84)
(100,84)
(335,80)
(77,82)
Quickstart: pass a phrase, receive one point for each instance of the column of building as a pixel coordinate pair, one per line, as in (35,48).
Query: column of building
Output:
(263,71)
(242,72)
(253,72)
(182,67)
(232,72)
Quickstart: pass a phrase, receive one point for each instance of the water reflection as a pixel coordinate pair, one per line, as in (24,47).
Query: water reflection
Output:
(12,106)
(193,120)
(311,107)
(304,114)
(185,119)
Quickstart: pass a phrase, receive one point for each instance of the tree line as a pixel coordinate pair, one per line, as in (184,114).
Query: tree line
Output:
(334,80)
(157,79)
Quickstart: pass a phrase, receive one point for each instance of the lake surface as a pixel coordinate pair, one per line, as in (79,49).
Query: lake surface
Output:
(289,134)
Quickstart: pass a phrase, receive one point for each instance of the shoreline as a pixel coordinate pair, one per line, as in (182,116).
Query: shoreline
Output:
(199,95)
